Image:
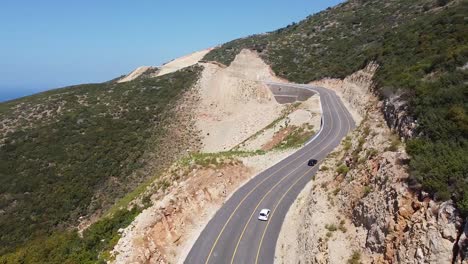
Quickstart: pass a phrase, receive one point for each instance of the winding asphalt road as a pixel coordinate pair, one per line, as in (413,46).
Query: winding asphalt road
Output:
(234,235)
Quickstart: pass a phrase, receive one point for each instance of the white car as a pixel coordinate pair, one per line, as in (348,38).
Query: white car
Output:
(264,214)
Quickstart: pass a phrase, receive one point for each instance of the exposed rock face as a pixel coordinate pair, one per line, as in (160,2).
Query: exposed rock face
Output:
(354,90)
(462,249)
(395,111)
(160,231)
(384,220)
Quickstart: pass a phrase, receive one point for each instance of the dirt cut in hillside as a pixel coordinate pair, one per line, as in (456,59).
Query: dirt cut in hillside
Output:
(234,103)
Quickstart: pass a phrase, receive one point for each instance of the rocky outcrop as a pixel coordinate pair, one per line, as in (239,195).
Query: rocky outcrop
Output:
(461,248)
(395,111)
(356,91)
(385,222)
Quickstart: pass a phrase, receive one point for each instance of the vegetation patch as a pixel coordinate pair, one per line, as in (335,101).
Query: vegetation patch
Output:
(218,158)
(331,227)
(68,247)
(297,137)
(288,110)
(355,258)
(342,169)
(79,149)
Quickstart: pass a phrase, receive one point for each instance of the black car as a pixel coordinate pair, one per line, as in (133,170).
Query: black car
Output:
(312,162)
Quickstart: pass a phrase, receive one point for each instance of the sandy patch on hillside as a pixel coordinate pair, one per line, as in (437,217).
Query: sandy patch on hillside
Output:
(182,62)
(234,103)
(306,113)
(135,74)
(168,67)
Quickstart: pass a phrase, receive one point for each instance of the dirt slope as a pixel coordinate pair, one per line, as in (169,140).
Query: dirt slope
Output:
(171,66)
(182,62)
(134,74)
(234,103)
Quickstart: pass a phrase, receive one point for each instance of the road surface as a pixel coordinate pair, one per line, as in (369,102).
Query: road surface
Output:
(234,234)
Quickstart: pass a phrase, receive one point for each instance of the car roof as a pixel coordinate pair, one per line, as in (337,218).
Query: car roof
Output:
(265,211)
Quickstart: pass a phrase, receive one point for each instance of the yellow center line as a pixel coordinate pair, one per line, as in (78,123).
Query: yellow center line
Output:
(250,192)
(287,191)
(266,194)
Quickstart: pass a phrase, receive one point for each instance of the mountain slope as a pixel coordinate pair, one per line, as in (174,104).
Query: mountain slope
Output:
(421,47)
(72,152)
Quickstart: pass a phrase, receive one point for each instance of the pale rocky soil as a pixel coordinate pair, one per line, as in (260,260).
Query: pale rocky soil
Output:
(383,220)
(228,105)
(234,103)
(168,67)
(182,62)
(308,112)
(134,74)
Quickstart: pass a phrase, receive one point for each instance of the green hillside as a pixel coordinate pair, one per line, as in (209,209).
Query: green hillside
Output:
(422,49)
(74,151)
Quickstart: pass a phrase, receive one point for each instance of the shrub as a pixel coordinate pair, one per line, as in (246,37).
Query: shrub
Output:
(342,227)
(331,227)
(355,258)
(372,153)
(394,143)
(336,191)
(342,169)
(323,168)
(367,190)
(347,145)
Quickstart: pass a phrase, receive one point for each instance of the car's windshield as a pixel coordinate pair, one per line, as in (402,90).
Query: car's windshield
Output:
(262,214)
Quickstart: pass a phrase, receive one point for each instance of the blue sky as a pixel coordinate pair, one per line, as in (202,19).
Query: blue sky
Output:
(48,44)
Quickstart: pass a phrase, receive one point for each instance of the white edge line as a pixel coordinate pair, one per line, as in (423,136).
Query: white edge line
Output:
(322,121)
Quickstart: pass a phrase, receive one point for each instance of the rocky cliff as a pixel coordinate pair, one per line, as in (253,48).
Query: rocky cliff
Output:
(359,207)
